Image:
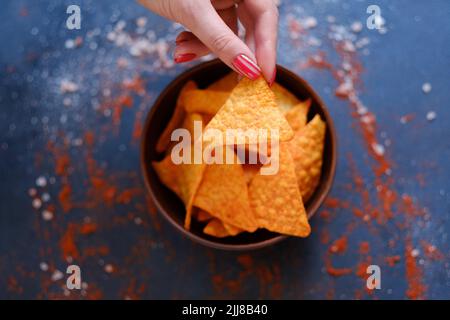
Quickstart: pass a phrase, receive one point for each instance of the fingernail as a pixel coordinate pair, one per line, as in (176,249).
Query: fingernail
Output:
(184,57)
(274,76)
(245,66)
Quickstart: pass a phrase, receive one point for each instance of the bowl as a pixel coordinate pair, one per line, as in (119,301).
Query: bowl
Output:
(172,208)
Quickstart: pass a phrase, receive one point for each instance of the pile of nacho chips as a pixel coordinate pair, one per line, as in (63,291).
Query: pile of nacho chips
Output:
(229,199)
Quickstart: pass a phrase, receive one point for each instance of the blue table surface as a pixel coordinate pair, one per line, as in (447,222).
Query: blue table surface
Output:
(398,220)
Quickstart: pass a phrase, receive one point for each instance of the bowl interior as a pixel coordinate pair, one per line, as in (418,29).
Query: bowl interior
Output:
(172,207)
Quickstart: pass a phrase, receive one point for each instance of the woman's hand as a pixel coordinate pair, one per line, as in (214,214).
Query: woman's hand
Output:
(213,28)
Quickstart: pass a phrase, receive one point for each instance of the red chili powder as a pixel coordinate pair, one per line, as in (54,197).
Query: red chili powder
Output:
(431,251)
(416,288)
(64,197)
(67,242)
(336,272)
(324,237)
(339,245)
(88,228)
(392,260)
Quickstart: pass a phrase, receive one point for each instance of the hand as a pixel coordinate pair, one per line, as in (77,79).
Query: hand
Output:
(213,28)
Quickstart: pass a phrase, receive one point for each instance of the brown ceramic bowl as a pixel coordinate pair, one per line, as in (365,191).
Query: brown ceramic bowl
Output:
(171,206)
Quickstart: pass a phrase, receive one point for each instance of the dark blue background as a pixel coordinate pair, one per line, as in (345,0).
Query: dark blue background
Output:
(151,259)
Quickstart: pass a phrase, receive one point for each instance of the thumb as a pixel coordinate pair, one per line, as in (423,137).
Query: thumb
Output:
(209,27)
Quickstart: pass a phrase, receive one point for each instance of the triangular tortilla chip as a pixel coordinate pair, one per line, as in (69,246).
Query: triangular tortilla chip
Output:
(250,171)
(216,229)
(176,120)
(183,179)
(298,114)
(276,199)
(307,151)
(219,229)
(226,84)
(284,98)
(250,106)
(204,101)
(202,216)
(223,194)
(232,230)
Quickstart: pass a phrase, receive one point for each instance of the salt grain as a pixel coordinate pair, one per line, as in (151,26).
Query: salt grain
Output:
(57,275)
(109,268)
(68,86)
(431,115)
(36,203)
(32,192)
(43,266)
(41,181)
(378,149)
(426,87)
(309,22)
(415,253)
(47,215)
(356,26)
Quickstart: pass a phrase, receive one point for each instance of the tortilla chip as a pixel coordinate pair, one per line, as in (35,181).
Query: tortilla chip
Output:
(297,116)
(276,199)
(226,84)
(251,105)
(177,117)
(218,229)
(250,171)
(183,179)
(167,172)
(204,101)
(223,194)
(307,151)
(232,230)
(203,216)
(284,98)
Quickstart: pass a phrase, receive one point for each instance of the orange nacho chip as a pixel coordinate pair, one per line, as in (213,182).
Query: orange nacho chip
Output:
(204,101)
(219,229)
(307,151)
(183,179)
(297,116)
(203,216)
(276,199)
(216,229)
(284,98)
(226,83)
(223,194)
(177,117)
(250,106)
(250,171)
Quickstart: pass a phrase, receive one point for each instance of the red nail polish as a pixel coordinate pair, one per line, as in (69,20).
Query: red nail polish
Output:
(245,66)
(274,76)
(184,57)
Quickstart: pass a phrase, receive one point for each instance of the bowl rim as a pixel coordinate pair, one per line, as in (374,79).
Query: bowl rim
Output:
(209,243)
